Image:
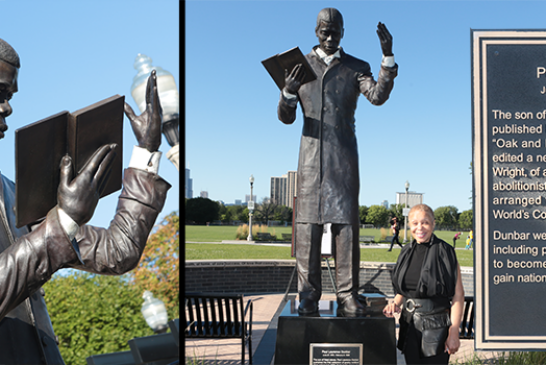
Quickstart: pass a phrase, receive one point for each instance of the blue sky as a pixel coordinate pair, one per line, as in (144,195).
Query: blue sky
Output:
(422,134)
(75,53)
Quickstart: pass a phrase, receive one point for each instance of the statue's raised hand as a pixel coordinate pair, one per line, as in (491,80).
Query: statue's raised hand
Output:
(385,38)
(147,126)
(78,197)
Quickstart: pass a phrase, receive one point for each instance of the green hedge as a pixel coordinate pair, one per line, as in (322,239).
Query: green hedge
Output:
(94,314)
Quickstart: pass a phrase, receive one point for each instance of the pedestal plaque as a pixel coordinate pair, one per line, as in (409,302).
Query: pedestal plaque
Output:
(315,340)
(336,354)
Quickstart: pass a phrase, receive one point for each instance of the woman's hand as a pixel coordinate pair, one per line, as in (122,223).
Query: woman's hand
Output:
(392,307)
(453,342)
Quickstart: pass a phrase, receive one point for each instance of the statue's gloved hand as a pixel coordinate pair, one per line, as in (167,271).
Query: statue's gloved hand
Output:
(79,197)
(147,126)
(385,38)
(293,80)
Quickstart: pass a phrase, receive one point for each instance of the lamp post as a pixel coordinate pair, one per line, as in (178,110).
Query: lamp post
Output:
(250,209)
(154,313)
(406,215)
(168,98)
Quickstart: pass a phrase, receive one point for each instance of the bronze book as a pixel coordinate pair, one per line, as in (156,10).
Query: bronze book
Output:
(40,146)
(276,65)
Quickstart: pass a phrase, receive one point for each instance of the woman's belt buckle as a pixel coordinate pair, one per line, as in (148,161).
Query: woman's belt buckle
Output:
(411,306)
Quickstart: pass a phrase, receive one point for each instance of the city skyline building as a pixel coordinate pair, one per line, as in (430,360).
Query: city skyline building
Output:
(188,188)
(283,189)
(204,194)
(278,192)
(291,187)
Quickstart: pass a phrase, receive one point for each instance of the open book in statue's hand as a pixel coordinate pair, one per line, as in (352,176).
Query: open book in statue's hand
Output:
(277,64)
(40,146)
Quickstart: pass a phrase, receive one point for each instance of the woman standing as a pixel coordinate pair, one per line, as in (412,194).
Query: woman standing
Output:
(429,294)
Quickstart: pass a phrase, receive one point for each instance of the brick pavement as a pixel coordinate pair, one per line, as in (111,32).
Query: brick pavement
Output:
(265,313)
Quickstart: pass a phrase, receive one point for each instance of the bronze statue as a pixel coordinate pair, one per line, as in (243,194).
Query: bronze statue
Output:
(328,179)
(29,258)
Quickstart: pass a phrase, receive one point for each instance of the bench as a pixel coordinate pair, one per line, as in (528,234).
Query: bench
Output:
(366,239)
(389,239)
(287,237)
(467,324)
(264,236)
(220,316)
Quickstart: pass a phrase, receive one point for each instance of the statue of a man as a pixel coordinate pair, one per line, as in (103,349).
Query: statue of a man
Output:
(63,239)
(328,178)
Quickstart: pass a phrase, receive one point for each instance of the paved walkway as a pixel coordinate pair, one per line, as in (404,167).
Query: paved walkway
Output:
(266,309)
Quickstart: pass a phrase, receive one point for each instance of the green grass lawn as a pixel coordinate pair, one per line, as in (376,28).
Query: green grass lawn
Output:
(211,251)
(221,233)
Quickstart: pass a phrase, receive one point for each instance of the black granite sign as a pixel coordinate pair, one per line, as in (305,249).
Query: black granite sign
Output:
(332,340)
(509,169)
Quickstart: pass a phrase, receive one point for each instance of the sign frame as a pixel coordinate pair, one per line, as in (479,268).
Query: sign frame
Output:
(486,338)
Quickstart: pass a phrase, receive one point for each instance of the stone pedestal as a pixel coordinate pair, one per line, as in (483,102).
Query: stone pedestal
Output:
(328,339)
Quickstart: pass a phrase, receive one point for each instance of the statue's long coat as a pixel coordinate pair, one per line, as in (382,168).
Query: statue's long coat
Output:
(328,177)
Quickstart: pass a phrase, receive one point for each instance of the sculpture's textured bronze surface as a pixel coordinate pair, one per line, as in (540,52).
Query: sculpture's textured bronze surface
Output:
(328,176)
(29,259)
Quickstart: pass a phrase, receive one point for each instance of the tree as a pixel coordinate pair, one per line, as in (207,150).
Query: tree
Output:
(158,270)
(446,217)
(378,215)
(397,210)
(94,314)
(222,211)
(265,211)
(283,214)
(201,210)
(243,215)
(226,217)
(232,213)
(466,219)
(362,213)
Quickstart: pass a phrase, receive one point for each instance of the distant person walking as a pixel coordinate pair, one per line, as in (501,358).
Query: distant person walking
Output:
(455,238)
(395,232)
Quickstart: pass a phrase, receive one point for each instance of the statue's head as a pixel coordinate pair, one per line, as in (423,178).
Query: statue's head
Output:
(329,29)
(9,70)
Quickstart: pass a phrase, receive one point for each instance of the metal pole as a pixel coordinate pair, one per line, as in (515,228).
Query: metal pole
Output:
(249,238)
(406,216)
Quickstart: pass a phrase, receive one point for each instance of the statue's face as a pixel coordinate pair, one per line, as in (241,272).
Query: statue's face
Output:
(329,35)
(8,87)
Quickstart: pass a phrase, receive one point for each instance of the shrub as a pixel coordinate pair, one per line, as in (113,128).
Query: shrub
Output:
(242,231)
(383,234)
(94,314)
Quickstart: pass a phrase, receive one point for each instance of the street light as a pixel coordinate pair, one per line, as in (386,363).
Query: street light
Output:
(406,215)
(168,97)
(154,312)
(250,209)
